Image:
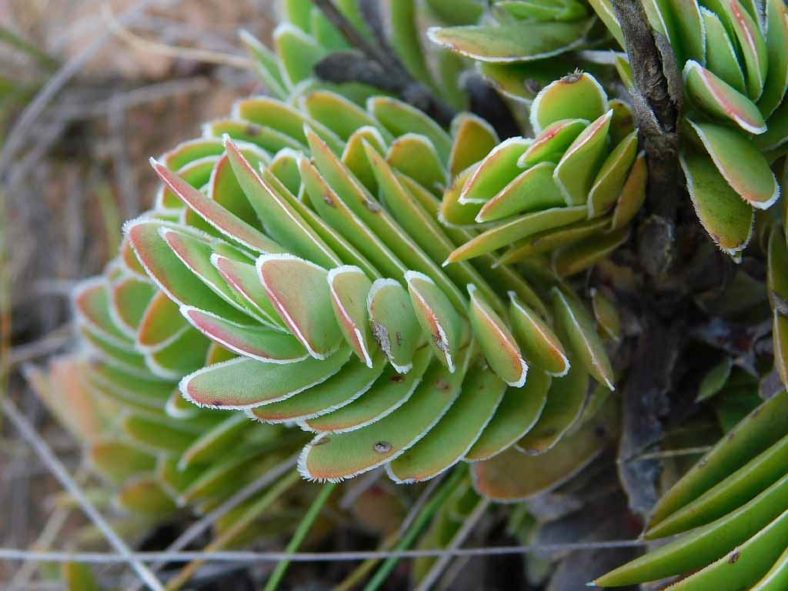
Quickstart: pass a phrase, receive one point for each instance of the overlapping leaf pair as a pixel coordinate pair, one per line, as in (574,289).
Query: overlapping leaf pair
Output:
(336,303)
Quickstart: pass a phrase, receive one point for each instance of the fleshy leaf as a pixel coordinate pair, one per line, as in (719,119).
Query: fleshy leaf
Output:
(300,293)
(496,342)
(349,290)
(517,42)
(390,392)
(580,164)
(576,96)
(532,190)
(578,326)
(394,323)
(718,98)
(516,415)
(725,216)
(437,317)
(338,456)
(459,429)
(251,340)
(246,383)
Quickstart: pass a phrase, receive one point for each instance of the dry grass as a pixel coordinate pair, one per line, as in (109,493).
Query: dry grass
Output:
(72,173)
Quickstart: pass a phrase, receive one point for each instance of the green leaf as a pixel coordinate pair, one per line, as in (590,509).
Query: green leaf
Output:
(279,218)
(583,254)
(514,476)
(299,291)
(540,345)
(726,217)
(170,273)
(496,171)
(576,96)
(566,399)
(349,289)
(401,118)
(517,229)
(719,99)
(230,226)
(632,195)
(118,460)
(578,167)
(744,565)
(721,56)
(414,155)
(455,434)
(715,379)
(246,383)
(243,279)
(157,434)
(551,143)
(391,391)
(728,494)
(354,380)
(704,544)
(298,53)
(751,44)
(474,138)
(216,443)
(777,58)
(250,340)
(496,342)
(611,177)
(437,316)
(761,429)
(516,42)
(337,113)
(394,323)
(338,456)
(551,240)
(532,190)
(516,415)
(578,326)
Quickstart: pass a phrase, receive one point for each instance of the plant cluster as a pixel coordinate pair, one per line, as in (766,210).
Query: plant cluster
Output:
(370,263)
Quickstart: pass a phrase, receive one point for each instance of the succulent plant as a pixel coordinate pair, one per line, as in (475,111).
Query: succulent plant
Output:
(385,285)
(336,303)
(730,511)
(732,58)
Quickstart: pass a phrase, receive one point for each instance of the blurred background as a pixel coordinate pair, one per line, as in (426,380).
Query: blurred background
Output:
(89,90)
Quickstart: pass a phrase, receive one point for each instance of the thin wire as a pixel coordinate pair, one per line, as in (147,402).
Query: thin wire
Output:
(257,557)
(440,565)
(59,471)
(193,531)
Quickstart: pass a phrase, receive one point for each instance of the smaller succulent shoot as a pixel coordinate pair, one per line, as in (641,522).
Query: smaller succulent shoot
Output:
(733,64)
(570,192)
(729,512)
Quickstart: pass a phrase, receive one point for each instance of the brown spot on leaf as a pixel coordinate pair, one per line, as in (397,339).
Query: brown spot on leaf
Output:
(372,206)
(397,378)
(442,385)
(322,441)
(253,130)
(733,557)
(382,447)
(329,201)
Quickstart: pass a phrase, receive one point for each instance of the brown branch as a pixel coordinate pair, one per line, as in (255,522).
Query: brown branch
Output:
(657,104)
(393,75)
